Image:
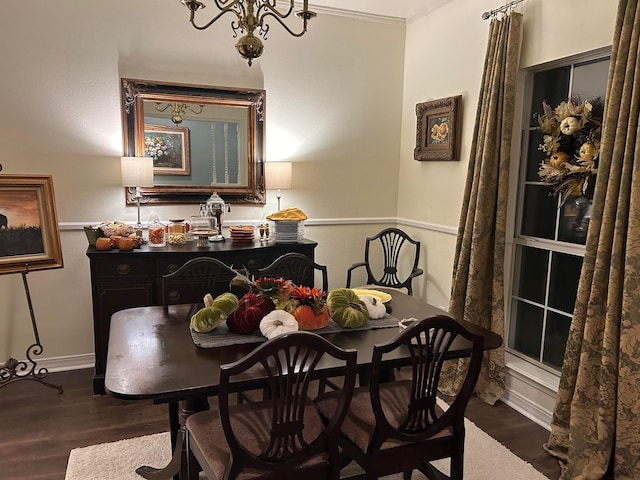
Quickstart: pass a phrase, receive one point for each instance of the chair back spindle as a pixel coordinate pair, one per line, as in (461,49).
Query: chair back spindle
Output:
(298,268)
(394,247)
(194,279)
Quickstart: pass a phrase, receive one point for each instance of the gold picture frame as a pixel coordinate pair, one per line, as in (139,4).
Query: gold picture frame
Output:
(29,232)
(438,129)
(169,148)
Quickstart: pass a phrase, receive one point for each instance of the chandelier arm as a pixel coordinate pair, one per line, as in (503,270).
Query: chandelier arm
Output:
(224,10)
(158,106)
(194,111)
(273,9)
(284,25)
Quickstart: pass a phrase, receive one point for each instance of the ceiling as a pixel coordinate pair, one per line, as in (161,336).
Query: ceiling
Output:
(405,9)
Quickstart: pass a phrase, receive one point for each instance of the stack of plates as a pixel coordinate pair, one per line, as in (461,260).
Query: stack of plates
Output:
(288,231)
(241,234)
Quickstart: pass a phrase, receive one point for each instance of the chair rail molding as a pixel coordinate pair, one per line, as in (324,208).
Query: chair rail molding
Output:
(434,227)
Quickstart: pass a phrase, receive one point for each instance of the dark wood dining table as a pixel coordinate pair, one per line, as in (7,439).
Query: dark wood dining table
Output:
(152,355)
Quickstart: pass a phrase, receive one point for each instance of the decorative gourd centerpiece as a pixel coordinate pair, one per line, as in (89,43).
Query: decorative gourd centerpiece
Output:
(346,308)
(252,308)
(278,322)
(277,289)
(215,311)
(375,307)
(309,307)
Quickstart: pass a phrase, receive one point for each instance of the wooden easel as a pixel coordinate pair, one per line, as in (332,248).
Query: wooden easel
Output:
(14,370)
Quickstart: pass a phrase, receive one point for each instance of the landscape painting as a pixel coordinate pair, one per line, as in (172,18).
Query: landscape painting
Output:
(29,233)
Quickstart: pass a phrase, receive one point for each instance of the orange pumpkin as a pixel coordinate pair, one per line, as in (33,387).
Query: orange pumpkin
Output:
(308,319)
(558,159)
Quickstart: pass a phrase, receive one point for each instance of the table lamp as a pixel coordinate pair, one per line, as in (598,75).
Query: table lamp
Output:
(277,177)
(137,172)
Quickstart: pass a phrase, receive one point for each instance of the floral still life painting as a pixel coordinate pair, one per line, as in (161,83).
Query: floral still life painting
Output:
(438,129)
(169,148)
(571,141)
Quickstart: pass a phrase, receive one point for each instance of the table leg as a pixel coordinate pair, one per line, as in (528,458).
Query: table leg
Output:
(173,467)
(178,465)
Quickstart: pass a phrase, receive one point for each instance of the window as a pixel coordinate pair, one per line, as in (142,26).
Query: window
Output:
(549,238)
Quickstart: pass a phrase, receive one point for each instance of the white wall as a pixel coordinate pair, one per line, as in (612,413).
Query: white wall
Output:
(337,92)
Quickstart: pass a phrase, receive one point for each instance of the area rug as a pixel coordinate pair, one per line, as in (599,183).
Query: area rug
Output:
(485,459)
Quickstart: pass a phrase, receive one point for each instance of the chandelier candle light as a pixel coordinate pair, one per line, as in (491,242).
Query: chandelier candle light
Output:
(251,14)
(137,172)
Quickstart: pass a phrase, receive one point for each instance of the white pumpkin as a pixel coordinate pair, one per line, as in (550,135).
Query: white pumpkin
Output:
(375,307)
(569,125)
(278,322)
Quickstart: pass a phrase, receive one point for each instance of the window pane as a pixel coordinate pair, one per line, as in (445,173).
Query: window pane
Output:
(534,156)
(539,217)
(574,220)
(550,85)
(531,276)
(555,339)
(527,331)
(589,78)
(544,280)
(565,273)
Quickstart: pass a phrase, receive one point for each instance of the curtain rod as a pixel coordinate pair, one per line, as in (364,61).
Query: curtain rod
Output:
(503,9)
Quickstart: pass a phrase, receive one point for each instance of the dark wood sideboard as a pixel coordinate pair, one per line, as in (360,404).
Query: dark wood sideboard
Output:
(122,280)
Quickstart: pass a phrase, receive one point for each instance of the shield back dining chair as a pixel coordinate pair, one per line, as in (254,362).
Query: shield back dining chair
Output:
(298,268)
(197,277)
(394,246)
(400,426)
(283,436)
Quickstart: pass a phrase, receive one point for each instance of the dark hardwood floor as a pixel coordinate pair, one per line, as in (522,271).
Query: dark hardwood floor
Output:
(39,427)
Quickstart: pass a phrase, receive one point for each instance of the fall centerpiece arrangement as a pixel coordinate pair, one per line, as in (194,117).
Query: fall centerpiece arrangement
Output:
(277,289)
(274,306)
(309,307)
(571,140)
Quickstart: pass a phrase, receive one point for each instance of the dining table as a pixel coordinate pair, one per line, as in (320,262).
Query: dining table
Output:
(153,354)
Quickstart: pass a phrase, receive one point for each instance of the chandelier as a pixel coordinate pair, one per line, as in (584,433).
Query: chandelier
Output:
(178,110)
(252,14)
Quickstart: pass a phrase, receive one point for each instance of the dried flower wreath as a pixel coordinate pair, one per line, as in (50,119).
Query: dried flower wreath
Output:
(571,142)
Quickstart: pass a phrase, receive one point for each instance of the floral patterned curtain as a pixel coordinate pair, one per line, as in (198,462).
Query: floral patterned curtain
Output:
(477,292)
(595,430)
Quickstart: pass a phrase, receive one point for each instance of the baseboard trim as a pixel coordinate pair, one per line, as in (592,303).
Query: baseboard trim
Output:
(533,410)
(63,364)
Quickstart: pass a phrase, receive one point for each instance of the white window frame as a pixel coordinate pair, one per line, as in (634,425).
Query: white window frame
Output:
(516,361)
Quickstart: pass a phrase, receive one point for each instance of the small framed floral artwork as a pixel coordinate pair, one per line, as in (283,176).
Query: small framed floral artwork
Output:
(29,232)
(169,148)
(438,129)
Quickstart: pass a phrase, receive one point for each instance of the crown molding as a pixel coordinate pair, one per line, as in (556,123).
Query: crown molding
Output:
(370,17)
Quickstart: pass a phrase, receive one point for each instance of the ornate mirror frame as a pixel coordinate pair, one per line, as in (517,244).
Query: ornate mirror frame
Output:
(135,92)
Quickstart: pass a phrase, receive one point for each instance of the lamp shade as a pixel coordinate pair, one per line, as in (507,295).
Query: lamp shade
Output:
(277,175)
(137,171)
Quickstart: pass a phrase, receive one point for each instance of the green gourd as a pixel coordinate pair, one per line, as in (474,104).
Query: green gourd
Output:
(346,308)
(227,302)
(207,319)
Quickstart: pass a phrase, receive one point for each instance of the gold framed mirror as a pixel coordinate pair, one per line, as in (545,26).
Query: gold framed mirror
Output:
(202,139)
